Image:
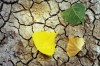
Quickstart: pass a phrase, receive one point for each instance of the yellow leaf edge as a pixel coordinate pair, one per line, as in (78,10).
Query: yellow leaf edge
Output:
(56,33)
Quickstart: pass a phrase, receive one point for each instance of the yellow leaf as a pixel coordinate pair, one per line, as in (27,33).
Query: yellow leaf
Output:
(74,45)
(45,42)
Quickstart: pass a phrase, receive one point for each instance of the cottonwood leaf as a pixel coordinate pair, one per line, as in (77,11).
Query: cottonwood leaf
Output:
(75,14)
(74,45)
(45,42)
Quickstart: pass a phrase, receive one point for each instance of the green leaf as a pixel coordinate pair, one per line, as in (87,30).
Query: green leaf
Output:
(75,14)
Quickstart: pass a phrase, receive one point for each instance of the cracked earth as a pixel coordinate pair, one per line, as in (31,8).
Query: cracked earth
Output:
(20,18)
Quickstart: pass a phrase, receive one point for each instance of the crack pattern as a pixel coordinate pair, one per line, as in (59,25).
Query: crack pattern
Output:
(20,18)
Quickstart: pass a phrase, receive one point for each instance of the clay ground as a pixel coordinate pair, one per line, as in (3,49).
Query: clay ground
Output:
(20,18)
